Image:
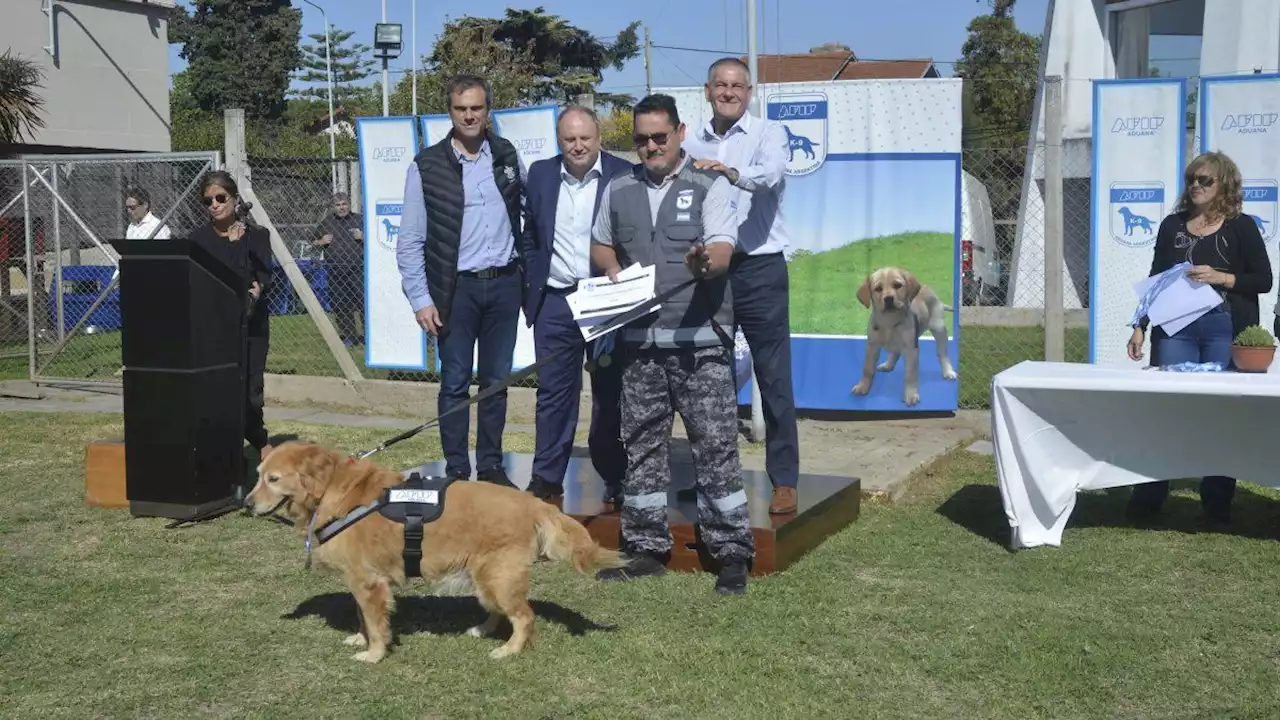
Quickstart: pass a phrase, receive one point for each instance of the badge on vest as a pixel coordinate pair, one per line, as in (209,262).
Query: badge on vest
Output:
(684,199)
(510,171)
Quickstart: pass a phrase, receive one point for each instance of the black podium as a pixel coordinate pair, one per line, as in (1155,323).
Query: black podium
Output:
(183,346)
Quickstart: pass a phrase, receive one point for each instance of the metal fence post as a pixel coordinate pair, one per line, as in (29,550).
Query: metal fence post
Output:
(1054,316)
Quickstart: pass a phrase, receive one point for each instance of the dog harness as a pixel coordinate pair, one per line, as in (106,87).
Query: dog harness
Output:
(413,503)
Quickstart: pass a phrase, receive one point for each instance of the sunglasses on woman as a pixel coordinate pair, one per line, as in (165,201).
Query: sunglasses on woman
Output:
(220,198)
(1204,181)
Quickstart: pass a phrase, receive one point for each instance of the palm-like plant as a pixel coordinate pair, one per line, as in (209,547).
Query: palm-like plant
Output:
(20,104)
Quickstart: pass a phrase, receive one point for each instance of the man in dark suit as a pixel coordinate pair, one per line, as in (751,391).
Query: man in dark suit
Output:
(563,195)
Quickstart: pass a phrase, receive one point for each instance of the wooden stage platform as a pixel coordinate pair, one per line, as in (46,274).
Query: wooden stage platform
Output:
(826,504)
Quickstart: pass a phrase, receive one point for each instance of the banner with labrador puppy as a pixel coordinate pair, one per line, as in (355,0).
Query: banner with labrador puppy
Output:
(1139,152)
(872,209)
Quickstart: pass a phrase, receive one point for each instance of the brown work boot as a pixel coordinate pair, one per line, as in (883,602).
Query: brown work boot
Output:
(784,500)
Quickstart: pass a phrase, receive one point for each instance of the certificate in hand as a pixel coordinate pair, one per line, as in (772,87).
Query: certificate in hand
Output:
(598,299)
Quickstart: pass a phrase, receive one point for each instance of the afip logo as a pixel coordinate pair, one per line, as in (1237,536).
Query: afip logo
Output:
(390,153)
(386,213)
(804,116)
(1250,123)
(1141,126)
(1135,211)
(1261,202)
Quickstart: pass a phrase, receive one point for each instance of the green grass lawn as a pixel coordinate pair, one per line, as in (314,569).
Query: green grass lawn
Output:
(917,610)
(824,285)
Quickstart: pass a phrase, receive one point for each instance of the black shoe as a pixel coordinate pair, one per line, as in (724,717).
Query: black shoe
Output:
(544,490)
(497,476)
(639,564)
(732,579)
(460,476)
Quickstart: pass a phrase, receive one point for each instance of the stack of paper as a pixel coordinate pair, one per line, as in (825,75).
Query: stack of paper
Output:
(1181,303)
(598,299)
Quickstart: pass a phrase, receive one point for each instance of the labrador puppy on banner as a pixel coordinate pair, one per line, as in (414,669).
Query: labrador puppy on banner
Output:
(901,310)
(484,541)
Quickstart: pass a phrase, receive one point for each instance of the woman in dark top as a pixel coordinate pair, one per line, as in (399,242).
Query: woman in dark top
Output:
(247,249)
(1226,251)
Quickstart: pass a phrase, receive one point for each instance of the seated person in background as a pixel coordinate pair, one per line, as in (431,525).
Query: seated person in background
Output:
(137,203)
(1226,251)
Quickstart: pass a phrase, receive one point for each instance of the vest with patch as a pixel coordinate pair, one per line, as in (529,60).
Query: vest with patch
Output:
(441,174)
(688,319)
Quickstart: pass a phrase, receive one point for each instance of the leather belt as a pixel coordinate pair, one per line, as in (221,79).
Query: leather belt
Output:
(492,272)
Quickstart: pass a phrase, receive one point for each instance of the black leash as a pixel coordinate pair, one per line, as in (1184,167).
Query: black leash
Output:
(611,325)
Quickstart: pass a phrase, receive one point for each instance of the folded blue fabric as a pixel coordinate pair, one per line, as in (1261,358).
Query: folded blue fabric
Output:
(1194,367)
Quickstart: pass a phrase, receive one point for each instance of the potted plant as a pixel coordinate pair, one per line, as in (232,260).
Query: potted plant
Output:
(1253,349)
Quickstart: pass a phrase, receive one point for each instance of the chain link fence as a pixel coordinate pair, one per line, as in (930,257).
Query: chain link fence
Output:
(61,300)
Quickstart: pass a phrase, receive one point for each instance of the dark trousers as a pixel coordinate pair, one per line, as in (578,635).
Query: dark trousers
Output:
(346,299)
(481,325)
(1208,339)
(255,429)
(559,386)
(761,308)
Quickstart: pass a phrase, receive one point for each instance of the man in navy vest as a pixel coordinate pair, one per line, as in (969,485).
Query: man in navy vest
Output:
(459,262)
(562,197)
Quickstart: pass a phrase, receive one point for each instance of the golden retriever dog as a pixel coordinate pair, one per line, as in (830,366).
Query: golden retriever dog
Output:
(901,310)
(485,540)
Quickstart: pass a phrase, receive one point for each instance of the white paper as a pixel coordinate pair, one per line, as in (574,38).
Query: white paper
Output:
(1181,303)
(597,300)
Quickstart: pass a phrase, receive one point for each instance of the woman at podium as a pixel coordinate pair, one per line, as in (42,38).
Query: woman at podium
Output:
(247,249)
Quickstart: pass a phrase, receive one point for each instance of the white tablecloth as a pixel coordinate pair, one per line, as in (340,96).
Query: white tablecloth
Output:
(1059,428)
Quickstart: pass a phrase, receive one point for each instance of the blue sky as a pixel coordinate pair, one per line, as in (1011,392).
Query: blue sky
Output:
(850,200)
(872,29)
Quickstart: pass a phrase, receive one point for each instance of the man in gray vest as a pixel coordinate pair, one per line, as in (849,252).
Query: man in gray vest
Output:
(668,215)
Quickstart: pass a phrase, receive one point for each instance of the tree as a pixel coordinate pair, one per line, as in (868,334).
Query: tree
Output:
(617,129)
(508,70)
(20,104)
(350,65)
(1000,66)
(565,61)
(831,47)
(239,53)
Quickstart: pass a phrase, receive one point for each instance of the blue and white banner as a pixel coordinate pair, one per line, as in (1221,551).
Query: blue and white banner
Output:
(1240,116)
(1139,141)
(872,182)
(392,336)
(387,147)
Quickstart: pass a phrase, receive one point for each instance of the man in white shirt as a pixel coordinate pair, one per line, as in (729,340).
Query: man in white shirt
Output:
(752,153)
(137,203)
(563,196)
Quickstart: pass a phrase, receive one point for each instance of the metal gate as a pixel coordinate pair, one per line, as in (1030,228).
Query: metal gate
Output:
(59,303)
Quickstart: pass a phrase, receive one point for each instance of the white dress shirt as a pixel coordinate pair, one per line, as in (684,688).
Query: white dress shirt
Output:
(571,249)
(141,230)
(757,149)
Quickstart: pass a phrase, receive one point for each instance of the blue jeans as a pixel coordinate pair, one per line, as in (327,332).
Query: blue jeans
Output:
(483,321)
(1208,339)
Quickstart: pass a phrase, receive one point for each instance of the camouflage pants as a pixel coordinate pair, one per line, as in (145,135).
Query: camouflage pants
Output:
(699,385)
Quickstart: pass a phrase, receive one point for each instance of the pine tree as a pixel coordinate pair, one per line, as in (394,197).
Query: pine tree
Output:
(351,64)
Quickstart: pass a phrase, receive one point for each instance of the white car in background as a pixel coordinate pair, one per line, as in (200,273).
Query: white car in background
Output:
(980,270)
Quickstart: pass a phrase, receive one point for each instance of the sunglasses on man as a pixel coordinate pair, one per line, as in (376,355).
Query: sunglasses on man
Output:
(220,198)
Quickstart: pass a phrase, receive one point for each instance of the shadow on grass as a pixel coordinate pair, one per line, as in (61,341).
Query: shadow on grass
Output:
(446,615)
(978,509)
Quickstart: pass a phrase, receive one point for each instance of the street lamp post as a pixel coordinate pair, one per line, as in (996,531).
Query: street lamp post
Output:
(388,39)
(328,71)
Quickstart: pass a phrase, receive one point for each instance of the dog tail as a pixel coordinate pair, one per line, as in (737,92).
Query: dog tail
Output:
(560,537)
